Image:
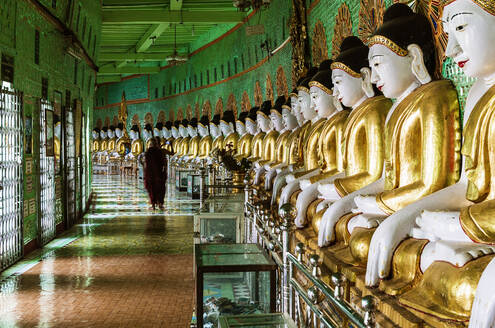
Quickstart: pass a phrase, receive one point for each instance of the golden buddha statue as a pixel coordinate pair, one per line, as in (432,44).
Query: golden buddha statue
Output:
(192,129)
(137,145)
(184,144)
(421,134)
(246,136)
(176,136)
(216,134)
(360,137)
(231,138)
(206,141)
(446,269)
(261,122)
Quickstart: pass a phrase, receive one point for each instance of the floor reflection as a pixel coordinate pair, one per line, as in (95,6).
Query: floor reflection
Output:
(123,266)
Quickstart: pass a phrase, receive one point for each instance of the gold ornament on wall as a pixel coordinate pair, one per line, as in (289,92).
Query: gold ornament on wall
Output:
(432,9)
(196,111)
(171,115)
(245,102)
(161,117)
(207,109)
(115,121)
(99,123)
(107,122)
(319,50)
(219,106)
(370,17)
(135,121)
(342,29)
(148,119)
(188,112)
(281,83)
(180,114)
(298,39)
(258,96)
(269,89)
(232,104)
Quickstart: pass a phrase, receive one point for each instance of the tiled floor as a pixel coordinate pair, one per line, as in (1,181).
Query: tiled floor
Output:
(123,266)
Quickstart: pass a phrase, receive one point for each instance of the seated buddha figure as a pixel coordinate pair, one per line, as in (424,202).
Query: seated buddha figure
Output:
(137,145)
(264,126)
(96,141)
(421,134)
(147,134)
(123,144)
(231,137)
(270,141)
(104,141)
(184,144)
(452,230)
(206,140)
(158,132)
(174,130)
(297,137)
(216,133)
(167,139)
(321,108)
(245,136)
(360,138)
(289,124)
(192,130)
(112,139)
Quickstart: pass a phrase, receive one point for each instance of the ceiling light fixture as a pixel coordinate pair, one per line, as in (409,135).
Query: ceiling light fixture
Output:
(175,59)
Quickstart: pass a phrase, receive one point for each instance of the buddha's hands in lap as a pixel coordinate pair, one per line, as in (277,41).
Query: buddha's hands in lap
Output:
(328,191)
(330,218)
(436,225)
(305,183)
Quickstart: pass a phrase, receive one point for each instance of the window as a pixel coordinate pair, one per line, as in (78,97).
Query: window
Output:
(67,98)
(200,78)
(163,91)
(228,68)
(215,74)
(54,4)
(170,89)
(248,57)
(207,76)
(283,28)
(256,53)
(195,81)
(89,35)
(242,62)
(156,92)
(78,17)
(44,88)
(221,68)
(83,30)
(36,47)
(190,84)
(75,71)
(235,65)
(7,66)
(89,84)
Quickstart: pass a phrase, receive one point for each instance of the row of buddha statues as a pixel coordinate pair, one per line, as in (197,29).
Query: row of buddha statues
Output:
(368,149)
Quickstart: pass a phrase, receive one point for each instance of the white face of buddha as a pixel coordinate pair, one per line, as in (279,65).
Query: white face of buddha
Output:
(214,130)
(182,131)
(95,135)
(277,121)
(111,134)
(118,132)
(147,134)
(347,89)
(264,123)
(175,132)
(240,128)
(226,128)
(321,102)
(166,133)
(304,102)
(103,134)
(157,133)
(251,127)
(391,73)
(133,135)
(290,121)
(471,42)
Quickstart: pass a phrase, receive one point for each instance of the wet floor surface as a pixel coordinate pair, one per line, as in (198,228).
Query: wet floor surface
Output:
(123,266)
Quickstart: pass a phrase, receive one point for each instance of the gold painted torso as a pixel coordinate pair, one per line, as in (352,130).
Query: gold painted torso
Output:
(364,145)
(122,142)
(137,147)
(269,153)
(184,146)
(244,146)
(296,144)
(257,143)
(96,146)
(176,145)
(194,146)
(104,145)
(205,146)
(282,151)
(231,142)
(422,141)
(112,143)
(218,143)
(310,146)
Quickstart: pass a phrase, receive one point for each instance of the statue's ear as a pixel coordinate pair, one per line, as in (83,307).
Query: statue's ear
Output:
(337,104)
(418,65)
(366,84)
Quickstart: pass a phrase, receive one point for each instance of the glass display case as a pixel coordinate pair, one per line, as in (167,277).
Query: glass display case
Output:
(220,220)
(193,185)
(233,279)
(272,320)
(181,178)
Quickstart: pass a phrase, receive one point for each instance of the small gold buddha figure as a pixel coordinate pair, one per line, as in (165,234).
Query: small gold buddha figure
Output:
(422,134)
(216,133)
(263,123)
(167,138)
(123,143)
(158,133)
(112,141)
(137,145)
(318,116)
(57,132)
(184,144)
(104,140)
(289,123)
(231,138)
(192,130)
(446,269)
(147,135)
(206,141)
(96,141)
(270,140)
(245,136)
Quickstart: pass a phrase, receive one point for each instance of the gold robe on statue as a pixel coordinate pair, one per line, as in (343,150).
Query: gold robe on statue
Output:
(205,146)
(244,146)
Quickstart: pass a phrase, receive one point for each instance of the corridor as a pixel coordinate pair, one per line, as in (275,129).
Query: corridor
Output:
(123,266)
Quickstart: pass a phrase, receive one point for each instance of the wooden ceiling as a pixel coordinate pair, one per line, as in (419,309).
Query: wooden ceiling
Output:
(137,35)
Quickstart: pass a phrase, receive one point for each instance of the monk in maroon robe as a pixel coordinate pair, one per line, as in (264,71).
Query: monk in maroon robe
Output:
(155,173)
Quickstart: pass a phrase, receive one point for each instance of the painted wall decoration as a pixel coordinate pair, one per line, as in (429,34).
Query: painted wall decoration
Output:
(171,115)
(180,114)
(342,29)
(432,9)
(281,83)
(219,106)
(370,17)
(298,39)
(189,114)
(99,123)
(258,95)
(135,121)
(107,122)
(245,102)
(148,119)
(197,111)
(161,117)
(232,104)
(319,45)
(207,109)
(269,89)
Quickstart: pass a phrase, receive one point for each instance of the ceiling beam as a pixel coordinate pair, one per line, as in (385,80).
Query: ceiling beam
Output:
(150,36)
(175,4)
(121,56)
(112,70)
(107,78)
(166,16)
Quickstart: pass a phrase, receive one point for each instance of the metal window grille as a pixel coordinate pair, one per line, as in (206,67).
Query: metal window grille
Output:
(47,182)
(70,167)
(11,176)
